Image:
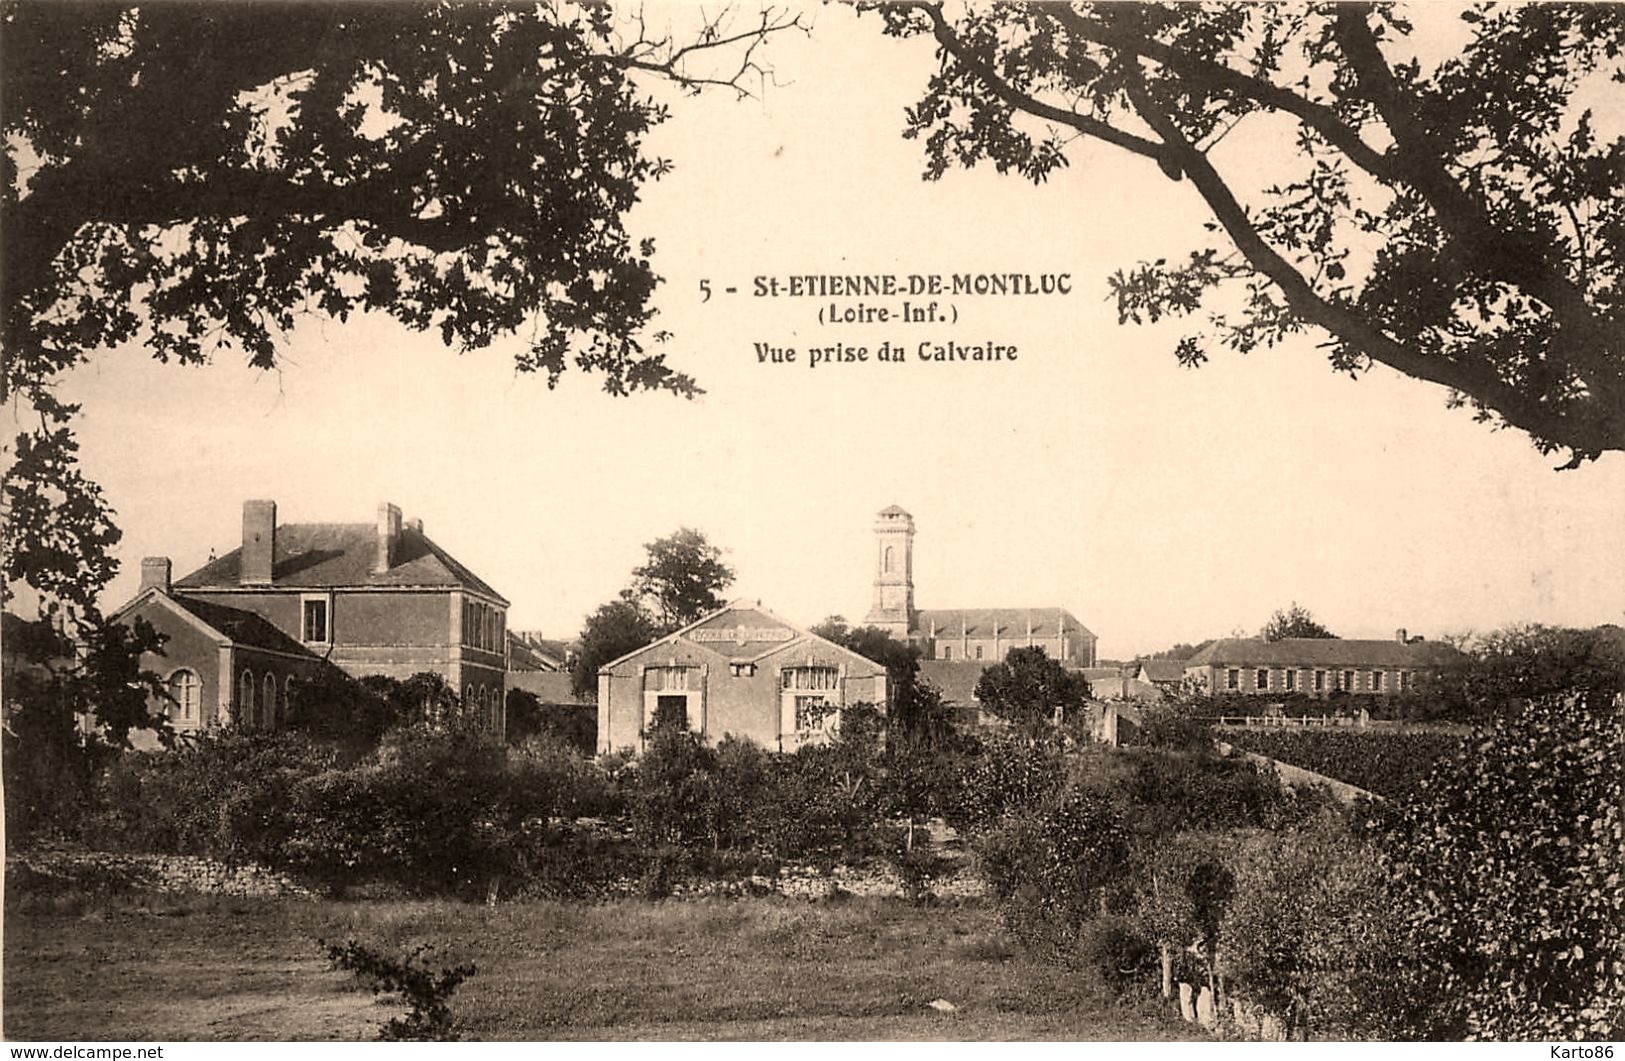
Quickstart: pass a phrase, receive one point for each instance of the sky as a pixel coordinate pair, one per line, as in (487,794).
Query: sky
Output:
(1159,504)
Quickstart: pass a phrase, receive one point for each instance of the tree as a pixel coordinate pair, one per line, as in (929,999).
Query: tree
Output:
(1502,670)
(1294,621)
(681,580)
(1508,874)
(609,633)
(1032,692)
(1459,221)
(193,182)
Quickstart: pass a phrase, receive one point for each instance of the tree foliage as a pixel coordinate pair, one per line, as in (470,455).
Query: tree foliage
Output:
(681,580)
(609,633)
(1499,671)
(1457,220)
(1511,870)
(1293,621)
(193,183)
(1031,691)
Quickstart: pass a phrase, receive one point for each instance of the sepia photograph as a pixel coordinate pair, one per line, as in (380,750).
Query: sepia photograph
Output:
(908,521)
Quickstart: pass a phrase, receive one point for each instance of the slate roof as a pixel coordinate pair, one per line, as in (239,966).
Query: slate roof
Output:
(1011,622)
(1163,670)
(241,627)
(550,687)
(535,654)
(325,555)
(955,678)
(1321,652)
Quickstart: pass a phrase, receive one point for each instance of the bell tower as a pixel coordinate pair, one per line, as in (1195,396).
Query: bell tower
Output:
(893,607)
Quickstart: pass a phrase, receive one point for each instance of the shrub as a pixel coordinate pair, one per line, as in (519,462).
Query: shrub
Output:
(1053,867)
(1008,776)
(1508,867)
(672,787)
(572,725)
(1309,934)
(1387,763)
(1116,951)
(428,994)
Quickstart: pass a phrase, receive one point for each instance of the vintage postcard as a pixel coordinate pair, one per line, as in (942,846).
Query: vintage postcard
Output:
(901,521)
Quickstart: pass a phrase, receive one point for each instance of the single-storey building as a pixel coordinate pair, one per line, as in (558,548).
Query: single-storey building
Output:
(742,671)
(1316,666)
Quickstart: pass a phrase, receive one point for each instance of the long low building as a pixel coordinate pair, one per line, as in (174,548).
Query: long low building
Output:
(742,671)
(1316,666)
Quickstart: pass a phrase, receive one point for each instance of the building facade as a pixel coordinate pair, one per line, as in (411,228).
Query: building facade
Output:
(368,599)
(962,634)
(1317,667)
(740,671)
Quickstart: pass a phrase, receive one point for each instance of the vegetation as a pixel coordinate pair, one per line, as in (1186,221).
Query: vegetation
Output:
(753,969)
(680,580)
(1393,764)
(464,169)
(1508,871)
(426,993)
(1032,692)
(1293,621)
(1456,218)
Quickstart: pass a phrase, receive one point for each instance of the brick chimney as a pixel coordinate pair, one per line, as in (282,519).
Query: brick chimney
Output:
(259,543)
(389,537)
(155,573)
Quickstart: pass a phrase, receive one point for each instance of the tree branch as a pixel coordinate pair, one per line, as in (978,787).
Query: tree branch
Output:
(1513,256)
(1083,123)
(1319,117)
(1582,435)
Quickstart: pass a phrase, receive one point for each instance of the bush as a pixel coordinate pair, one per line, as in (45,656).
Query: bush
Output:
(1509,865)
(673,788)
(1387,763)
(1054,866)
(1310,936)
(572,725)
(1117,952)
(1009,775)
(428,994)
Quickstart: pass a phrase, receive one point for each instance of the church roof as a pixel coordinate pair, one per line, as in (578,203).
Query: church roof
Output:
(1002,622)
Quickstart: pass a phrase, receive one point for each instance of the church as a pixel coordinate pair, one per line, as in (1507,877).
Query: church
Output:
(963,635)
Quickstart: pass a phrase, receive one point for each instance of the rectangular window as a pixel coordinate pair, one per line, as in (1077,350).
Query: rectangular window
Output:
(1290,680)
(1232,679)
(1346,681)
(1376,681)
(978,651)
(1404,681)
(947,652)
(1263,679)
(665,680)
(1320,681)
(316,620)
(812,679)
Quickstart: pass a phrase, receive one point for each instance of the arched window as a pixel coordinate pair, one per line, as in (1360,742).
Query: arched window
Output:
(888,560)
(468,695)
(268,702)
(184,686)
(245,699)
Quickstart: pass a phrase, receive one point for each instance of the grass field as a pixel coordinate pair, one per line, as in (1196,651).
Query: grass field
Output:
(772,968)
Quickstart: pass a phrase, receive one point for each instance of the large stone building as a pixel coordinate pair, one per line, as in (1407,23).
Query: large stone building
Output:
(962,634)
(368,598)
(742,671)
(1315,666)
